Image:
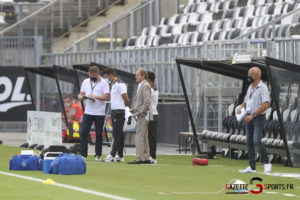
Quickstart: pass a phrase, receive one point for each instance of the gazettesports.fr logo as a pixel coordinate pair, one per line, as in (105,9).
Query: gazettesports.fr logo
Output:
(240,187)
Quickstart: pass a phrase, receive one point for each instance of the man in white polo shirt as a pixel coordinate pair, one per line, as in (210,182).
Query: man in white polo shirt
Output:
(95,91)
(118,101)
(153,124)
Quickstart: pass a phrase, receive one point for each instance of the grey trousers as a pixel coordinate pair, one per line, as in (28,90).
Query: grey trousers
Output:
(141,139)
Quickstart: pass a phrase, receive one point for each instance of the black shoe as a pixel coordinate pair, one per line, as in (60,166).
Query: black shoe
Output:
(147,162)
(135,162)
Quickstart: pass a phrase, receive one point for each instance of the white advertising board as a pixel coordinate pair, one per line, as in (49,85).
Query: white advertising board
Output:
(44,128)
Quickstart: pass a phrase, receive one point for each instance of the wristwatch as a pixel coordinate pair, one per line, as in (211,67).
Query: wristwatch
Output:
(253,114)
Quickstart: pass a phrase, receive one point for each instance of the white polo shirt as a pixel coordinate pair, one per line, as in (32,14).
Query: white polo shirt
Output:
(98,88)
(154,96)
(116,99)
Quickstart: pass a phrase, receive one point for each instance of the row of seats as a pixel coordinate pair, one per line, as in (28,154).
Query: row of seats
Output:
(234,132)
(250,11)
(221,25)
(271,8)
(196,37)
(199,6)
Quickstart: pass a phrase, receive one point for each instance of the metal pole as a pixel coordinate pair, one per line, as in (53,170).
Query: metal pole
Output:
(205,100)
(95,42)
(177,6)
(188,107)
(52,28)
(79,8)
(35,25)
(69,16)
(61,14)
(20,25)
(131,31)
(158,11)
(38,92)
(30,91)
(220,105)
(60,96)
(150,13)
(111,36)
(38,49)
(88,2)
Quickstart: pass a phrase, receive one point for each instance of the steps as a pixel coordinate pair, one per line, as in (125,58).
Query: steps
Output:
(65,42)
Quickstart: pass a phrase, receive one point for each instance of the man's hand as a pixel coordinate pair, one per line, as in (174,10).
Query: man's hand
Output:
(239,110)
(132,111)
(92,96)
(248,118)
(80,97)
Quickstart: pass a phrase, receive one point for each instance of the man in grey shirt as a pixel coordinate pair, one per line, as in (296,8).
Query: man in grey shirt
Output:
(256,103)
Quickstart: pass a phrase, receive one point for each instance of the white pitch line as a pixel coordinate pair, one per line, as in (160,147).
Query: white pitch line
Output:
(68,187)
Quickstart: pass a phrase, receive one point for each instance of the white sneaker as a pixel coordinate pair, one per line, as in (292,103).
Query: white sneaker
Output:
(119,159)
(153,161)
(84,158)
(97,158)
(108,158)
(247,170)
(267,168)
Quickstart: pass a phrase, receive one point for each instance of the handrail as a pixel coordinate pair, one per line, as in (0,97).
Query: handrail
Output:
(268,24)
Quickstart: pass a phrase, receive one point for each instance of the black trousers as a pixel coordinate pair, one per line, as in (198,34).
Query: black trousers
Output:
(85,127)
(118,119)
(152,135)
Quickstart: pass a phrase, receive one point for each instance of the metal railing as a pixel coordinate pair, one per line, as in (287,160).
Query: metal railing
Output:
(111,35)
(160,60)
(285,49)
(57,19)
(20,51)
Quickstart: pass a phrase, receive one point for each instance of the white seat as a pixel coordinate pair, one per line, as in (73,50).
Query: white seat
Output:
(164,21)
(183,19)
(202,27)
(207,17)
(194,18)
(149,40)
(206,36)
(187,8)
(250,11)
(177,29)
(260,2)
(152,31)
(145,31)
(155,41)
(173,19)
(201,7)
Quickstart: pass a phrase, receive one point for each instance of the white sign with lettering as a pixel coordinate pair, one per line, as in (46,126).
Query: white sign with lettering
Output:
(44,128)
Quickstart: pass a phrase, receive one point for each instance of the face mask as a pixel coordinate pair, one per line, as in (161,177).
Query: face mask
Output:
(250,79)
(107,80)
(94,79)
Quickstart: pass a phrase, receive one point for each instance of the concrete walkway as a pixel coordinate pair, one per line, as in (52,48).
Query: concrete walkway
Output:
(16,139)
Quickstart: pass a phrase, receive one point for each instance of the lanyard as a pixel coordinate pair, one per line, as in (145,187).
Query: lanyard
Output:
(94,85)
(251,93)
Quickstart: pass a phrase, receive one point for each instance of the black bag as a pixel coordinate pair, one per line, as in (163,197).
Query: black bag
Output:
(75,149)
(54,148)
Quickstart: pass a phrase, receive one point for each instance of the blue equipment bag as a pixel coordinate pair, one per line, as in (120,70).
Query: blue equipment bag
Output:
(68,164)
(25,163)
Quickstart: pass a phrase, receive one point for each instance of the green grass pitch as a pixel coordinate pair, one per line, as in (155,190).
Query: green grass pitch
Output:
(174,178)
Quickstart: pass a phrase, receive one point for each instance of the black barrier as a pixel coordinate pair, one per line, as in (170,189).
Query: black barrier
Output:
(15,98)
(45,90)
(285,83)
